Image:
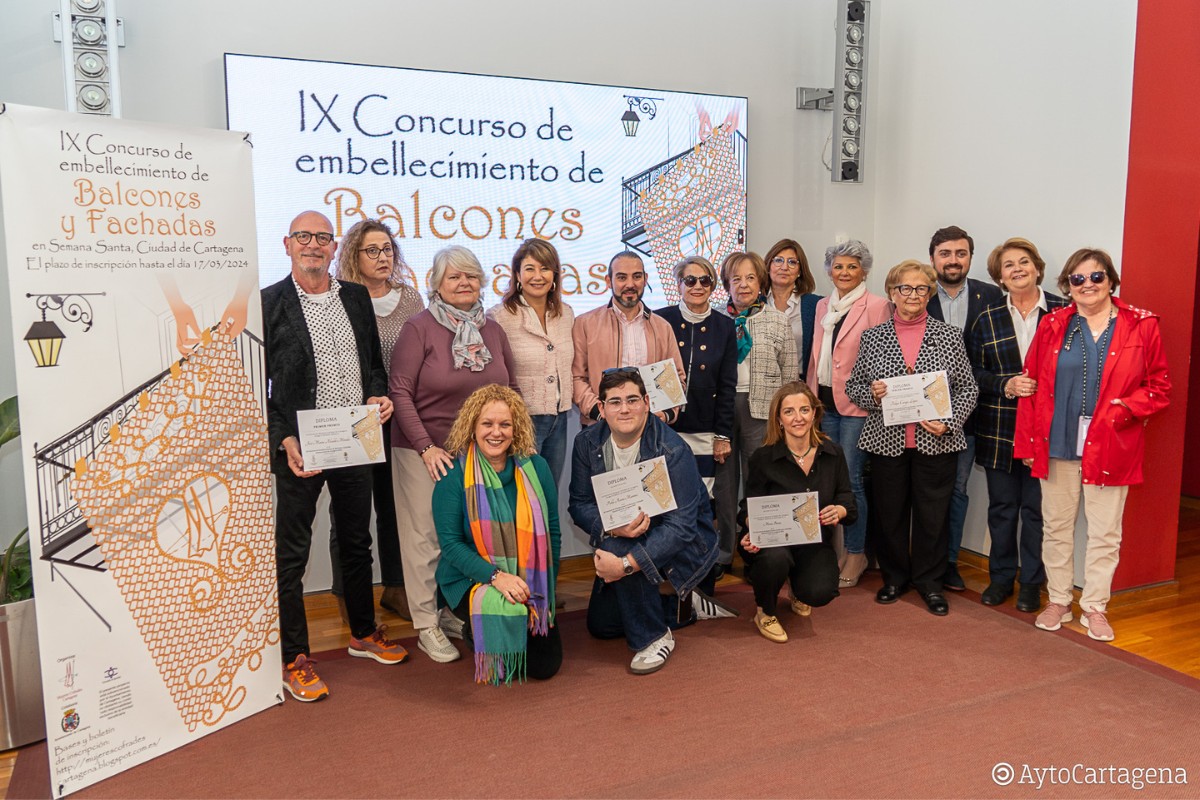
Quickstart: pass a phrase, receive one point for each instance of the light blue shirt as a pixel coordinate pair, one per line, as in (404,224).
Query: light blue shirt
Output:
(954,309)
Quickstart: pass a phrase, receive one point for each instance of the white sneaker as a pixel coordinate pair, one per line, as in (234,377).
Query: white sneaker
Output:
(708,607)
(451,625)
(435,645)
(653,656)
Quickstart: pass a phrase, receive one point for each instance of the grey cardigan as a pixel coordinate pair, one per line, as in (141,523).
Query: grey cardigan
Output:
(773,358)
(879,356)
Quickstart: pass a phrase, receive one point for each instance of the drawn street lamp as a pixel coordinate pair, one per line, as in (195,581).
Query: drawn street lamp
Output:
(45,338)
(630,119)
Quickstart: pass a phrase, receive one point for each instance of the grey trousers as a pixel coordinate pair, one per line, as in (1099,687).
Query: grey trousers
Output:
(747,437)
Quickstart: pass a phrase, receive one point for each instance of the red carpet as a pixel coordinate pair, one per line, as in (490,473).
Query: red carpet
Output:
(864,701)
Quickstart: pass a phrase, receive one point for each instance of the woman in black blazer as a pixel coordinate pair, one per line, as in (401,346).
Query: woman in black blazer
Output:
(796,457)
(998,342)
(912,465)
(708,347)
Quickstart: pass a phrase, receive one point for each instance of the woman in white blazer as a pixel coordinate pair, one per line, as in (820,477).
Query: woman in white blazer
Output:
(841,319)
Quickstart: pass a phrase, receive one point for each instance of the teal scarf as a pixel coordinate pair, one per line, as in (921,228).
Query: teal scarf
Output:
(740,318)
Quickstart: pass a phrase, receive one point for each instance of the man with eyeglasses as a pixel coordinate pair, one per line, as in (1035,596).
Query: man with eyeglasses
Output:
(622,332)
(959,300)
(645,567)
(322,351)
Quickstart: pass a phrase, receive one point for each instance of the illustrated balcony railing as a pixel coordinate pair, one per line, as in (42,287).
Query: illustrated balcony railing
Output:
(633,231)
(65,535)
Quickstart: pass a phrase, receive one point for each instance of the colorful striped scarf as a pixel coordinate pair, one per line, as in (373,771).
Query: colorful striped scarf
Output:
(740,318)
(516,541)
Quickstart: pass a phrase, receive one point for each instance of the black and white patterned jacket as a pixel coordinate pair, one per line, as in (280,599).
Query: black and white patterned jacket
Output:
(879,356)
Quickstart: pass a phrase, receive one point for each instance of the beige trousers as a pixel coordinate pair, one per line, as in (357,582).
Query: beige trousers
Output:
(1103,507)
(419,548)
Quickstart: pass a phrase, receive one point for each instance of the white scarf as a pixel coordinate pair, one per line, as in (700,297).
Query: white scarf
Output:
(693,317)
(837,310)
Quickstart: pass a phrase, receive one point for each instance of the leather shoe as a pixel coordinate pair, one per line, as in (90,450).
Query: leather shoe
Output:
(952,580)
(1029,598)
(889,594)
(996,593)
(936,602)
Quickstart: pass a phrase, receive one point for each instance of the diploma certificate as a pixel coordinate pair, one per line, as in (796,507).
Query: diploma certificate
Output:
(779,520)
(912,398)
(340,437)
(622,493)
(662,385)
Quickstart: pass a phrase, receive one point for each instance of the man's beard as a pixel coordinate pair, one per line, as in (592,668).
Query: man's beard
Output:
(957,280)
(623,302)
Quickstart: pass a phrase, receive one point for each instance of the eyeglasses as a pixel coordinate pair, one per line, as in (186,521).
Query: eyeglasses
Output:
(374,252)
(615,403)
(1097,277)
(304,237)
(779,261)
(920,291)
(691,280)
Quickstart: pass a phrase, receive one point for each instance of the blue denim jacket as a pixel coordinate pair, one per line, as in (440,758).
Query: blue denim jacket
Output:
(681,545)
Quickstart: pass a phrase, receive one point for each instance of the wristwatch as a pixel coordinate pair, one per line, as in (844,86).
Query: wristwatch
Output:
(626,565)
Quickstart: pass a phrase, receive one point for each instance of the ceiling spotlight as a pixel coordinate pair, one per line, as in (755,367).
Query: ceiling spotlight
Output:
(87,6)
(854,33)
(853,56)
(852,103)
(89,32)
(850,125)
(90,65)
(853,80)
(93,97)
(850,147)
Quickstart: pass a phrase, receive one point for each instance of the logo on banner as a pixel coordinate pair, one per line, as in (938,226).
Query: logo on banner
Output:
(70,720)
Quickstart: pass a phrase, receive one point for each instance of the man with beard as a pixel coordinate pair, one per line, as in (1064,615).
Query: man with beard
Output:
(959,301)
(621,333)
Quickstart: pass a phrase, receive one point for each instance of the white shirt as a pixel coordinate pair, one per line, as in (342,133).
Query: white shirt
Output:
(793,314)
(626,456)
(1026,327)
(634,352)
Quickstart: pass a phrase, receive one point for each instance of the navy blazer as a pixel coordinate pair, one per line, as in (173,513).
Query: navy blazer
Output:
(808,317)
(996,357)
(980,296)
(709,352)
(292,366)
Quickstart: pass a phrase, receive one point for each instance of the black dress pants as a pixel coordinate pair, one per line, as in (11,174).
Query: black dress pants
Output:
(812,570)
(911,493)
(295,510)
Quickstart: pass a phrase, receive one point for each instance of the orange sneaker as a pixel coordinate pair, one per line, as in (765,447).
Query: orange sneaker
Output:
(378,647)
(302,682)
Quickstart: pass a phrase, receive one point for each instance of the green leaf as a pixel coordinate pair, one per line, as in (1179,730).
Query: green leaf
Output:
(10,422)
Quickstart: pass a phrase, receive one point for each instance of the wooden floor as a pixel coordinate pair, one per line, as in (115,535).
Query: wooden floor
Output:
(1161,624)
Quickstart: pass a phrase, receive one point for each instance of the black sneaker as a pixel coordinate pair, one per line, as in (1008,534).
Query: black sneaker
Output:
(952,580)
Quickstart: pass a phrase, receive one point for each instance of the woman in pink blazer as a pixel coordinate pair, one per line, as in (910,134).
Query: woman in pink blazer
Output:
(840,320)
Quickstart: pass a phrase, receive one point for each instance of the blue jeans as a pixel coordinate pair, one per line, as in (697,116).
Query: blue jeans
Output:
(631,607)
(959,499)
(845,431)
(550,439)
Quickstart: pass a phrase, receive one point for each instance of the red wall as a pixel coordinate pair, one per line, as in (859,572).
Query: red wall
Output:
(1159,261)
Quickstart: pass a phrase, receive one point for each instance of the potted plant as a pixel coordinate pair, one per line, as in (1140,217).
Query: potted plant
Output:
(22,719)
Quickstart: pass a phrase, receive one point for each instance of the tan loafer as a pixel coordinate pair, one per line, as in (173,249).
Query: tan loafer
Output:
(769,627)
(801,609)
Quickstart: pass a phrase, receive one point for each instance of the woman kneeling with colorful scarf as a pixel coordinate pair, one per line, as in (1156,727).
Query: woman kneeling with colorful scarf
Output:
(496,514)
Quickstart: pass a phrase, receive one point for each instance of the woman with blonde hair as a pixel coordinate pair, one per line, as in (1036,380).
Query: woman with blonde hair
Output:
(369,255)
(497,523)
(796,457)
(538,324)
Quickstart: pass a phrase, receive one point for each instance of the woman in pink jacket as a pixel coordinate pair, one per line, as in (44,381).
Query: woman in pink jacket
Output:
(841,319)
(1096,371)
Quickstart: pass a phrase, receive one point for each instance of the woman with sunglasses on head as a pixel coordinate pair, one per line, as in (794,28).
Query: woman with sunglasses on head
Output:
(841,319)
(1100,372)
(709,350)
(369,255)
(538,324)
(790,286)
(912,464)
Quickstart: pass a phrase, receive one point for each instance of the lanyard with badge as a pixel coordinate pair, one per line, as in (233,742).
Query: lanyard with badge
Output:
(1085,419)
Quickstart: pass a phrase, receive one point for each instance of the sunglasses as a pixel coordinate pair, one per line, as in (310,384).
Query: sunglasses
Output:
(1097,277)
(691,280)
(621,371)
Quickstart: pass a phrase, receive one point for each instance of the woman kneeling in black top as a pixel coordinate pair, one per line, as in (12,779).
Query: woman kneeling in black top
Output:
(796,457)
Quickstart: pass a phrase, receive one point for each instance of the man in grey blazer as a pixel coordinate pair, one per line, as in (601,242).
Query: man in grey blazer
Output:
(959,300)
(322,350)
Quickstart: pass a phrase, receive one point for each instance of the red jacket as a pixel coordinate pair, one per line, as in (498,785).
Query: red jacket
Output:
(1135,372)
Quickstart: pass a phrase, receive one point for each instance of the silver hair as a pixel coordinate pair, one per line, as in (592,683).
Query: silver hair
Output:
(455,256)
(852,248)
(701,262)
